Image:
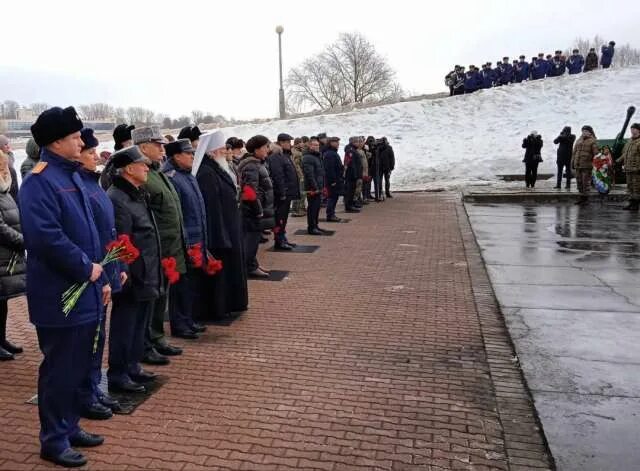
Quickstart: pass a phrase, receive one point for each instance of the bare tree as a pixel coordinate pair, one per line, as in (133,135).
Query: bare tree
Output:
(120,115)
(626,55)
(10,109)
(181,122)
(97,111)
(196,116)
(139,116)
(38,108)
(348,71)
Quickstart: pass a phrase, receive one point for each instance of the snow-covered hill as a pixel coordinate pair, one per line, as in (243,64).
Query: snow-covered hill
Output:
(470,138)
(451,142)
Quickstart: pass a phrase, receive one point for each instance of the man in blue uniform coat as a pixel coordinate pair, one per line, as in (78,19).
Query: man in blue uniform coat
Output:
(63,248)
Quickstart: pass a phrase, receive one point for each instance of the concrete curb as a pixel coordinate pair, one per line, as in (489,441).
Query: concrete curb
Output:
(539,197)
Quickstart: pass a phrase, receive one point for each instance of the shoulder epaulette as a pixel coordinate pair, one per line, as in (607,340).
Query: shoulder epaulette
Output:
(39,168)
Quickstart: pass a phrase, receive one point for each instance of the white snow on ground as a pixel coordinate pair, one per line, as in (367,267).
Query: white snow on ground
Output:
(469,139)
(472,138)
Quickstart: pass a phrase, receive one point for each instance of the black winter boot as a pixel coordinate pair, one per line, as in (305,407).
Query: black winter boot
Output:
(5,345)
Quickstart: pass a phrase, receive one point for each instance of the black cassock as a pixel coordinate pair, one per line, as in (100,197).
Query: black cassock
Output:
(226,292)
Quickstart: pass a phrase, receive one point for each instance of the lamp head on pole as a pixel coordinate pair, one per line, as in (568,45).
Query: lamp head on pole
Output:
(279,29)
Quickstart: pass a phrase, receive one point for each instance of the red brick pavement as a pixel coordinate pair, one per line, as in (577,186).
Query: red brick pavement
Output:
(371,355)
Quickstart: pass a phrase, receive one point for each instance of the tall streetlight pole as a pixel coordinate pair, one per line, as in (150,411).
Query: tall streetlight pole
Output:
(279,30)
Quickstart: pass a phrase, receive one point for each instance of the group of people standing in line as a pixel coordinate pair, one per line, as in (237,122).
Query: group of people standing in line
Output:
(592,164)
(195,208)
(460,81)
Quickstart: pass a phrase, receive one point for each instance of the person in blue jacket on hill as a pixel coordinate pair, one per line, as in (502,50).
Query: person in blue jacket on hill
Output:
(575,62)
(607,53)
(522,70)
(559,64)
(497,74)
(538,68)
(506,75)
(64,248)
(487,75)
(471,80)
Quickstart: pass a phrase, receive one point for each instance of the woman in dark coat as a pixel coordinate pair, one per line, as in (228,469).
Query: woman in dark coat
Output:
(533,145)
(12,279)
(95,403)
(226,291)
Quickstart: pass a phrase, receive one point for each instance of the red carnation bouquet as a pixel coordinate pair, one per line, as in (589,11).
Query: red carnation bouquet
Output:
(169,265)
(213,265)
(195,255)
(120,249)
(248,194)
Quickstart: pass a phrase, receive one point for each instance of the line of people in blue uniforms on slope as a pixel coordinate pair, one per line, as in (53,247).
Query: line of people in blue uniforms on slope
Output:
(461,81)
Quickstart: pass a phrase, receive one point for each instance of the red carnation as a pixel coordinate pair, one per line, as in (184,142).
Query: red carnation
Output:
(169,266)
(121,249)
(248,193)
(195,254)
(213,266)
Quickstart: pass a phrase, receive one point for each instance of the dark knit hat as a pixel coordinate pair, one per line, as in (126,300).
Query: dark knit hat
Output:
(284,137)
(55,123)
(635,126)
(89,141)
(322,135)
(178,147)
(122,133)
(256,142)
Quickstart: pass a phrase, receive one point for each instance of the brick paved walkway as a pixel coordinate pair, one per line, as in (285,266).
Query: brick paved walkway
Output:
(371,355)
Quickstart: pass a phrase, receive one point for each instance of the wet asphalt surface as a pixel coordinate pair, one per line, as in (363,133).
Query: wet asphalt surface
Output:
(567,279)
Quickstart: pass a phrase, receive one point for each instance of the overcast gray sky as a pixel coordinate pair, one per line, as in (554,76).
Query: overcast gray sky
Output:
(221,56)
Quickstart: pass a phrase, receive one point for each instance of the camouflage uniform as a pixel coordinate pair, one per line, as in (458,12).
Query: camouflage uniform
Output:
(582,161)
(631,161)
(298,206)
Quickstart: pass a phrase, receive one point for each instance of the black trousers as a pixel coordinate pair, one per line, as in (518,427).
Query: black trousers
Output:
(567,169)
(65,364)
(313,211)
(387,182)
(128,328)
(181,305)
(4,311)
(332,201)
(350,194)
(377,185)
(282,217)
(251,244)
(531,174)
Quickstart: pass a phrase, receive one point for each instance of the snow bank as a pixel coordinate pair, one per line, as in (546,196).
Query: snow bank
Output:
(469,139)
(466,139)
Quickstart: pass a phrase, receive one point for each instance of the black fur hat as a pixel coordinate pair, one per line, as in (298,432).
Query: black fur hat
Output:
(55,123)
